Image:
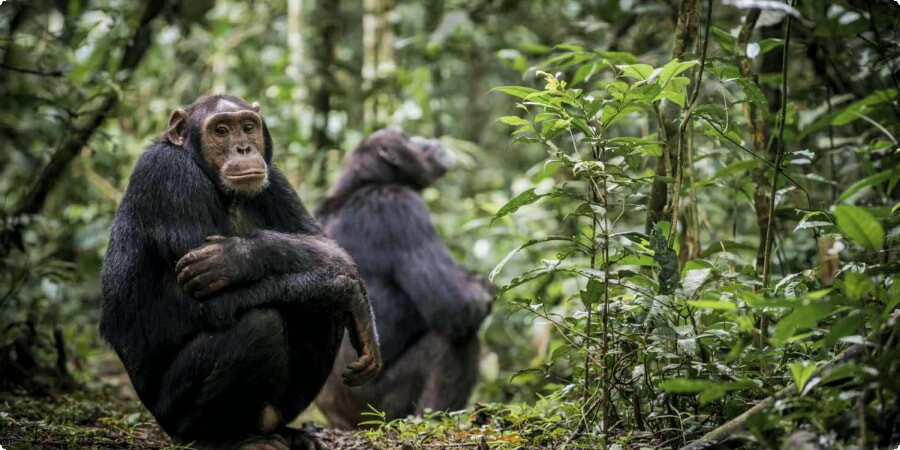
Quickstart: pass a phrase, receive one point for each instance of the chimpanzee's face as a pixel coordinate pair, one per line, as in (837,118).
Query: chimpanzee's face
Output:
(231,140)
(416,160)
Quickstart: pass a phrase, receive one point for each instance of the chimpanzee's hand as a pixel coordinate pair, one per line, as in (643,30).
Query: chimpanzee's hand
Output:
(364,338)
(220,263)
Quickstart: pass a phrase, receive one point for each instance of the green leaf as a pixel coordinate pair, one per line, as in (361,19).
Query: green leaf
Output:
(665,256)
(861,107)
(860,226)
(845,327)
(584,73)
(871,180)
(709,390)
(675,91)
(693,279)
(725,39)
(754,94)
(525,198)
(516,91)
(857,285)
(801,372)
(514,121)
(506,258)
(592,293)
(715,305)
(769,44)
(672,69)
(637,71)
(803,317)
(685,386)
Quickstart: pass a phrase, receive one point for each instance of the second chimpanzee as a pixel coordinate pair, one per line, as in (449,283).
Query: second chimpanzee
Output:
(222,297)
(427,308)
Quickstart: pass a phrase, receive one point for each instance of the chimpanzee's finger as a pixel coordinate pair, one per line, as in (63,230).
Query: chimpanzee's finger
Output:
(193,256)
(193,270)
(199,283)
(216,285)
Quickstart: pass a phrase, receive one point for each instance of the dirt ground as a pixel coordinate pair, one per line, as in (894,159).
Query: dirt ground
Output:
(101,420)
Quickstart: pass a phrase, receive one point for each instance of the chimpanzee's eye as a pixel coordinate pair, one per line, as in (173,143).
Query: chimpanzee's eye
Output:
(222,130)
(249,127)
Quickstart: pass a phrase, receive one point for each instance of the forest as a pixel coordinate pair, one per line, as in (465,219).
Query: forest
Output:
(574,224)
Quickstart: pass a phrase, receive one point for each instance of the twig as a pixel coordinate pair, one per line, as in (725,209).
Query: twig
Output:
(685,120)
(725,431)
(52,73)
(779,152)
(137,46)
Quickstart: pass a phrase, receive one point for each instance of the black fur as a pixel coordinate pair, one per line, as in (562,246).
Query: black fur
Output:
(428,309)
(206,367)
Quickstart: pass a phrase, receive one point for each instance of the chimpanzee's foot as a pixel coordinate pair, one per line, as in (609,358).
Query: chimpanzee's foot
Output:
(267,442)
(309,437)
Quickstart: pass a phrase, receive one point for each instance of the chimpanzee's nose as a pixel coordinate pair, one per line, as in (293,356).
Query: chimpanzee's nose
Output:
(243,149)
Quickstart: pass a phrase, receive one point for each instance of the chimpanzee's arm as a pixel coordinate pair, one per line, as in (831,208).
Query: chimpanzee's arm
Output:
(291,242)
(231,261)
(319,290)
(424,268)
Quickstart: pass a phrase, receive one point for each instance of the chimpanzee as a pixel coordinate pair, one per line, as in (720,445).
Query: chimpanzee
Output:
(427,308)
(222,296)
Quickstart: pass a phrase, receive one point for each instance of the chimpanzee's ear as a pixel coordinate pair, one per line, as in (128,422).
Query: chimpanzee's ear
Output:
(255,107)
(388,156)
(177,127)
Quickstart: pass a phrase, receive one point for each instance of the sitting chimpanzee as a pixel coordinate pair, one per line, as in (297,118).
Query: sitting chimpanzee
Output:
(222,296)
(427,308)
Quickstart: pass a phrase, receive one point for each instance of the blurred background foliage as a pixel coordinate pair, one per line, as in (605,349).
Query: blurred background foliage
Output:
(85,86)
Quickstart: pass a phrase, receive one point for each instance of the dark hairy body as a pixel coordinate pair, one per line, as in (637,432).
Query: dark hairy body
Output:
(222,296)
(427,307)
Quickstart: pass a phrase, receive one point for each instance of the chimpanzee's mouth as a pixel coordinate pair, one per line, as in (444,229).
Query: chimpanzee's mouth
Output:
(250,175)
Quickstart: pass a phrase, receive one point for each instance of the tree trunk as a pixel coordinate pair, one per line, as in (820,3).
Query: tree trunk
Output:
(686,30)
(326,18)
(135,49)
(378,57)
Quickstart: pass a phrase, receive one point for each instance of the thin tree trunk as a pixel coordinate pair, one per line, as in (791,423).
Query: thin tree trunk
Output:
(296,72)
(686,30)
(370,59)
(134,51)
(378,57)
(296,53)
(771,63)
(326,18)
(433,18)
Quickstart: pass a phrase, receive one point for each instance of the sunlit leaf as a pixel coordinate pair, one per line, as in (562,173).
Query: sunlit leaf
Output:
(801,372)
(525,198)
(860,226)
(517,91)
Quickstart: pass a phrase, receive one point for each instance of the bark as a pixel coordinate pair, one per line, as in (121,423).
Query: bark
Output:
(326,20)
(686,30)
(378,55)
(135,49)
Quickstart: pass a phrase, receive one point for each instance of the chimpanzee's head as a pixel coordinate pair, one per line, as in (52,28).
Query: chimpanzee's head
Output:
(390,156)
(229,139)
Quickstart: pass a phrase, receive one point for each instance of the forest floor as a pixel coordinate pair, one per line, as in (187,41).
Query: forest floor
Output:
(102,420)
(101,411)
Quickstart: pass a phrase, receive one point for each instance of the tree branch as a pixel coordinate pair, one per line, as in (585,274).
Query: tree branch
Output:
(137,46)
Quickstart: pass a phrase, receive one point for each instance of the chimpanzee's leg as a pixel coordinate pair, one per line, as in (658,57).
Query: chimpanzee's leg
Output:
(222,387)
(450,381)
(313,338)
(432,373)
